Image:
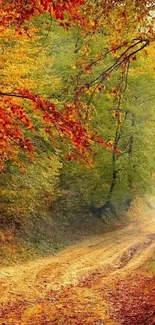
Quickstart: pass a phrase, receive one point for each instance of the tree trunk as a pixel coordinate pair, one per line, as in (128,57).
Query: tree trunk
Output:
(108,208)
(130,151)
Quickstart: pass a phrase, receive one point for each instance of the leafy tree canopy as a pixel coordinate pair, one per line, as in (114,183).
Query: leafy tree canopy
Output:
(127,28)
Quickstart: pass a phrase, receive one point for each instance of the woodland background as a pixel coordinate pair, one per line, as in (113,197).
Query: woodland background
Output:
(53,190)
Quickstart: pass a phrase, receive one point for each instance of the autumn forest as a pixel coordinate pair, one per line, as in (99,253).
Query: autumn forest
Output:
(77,162)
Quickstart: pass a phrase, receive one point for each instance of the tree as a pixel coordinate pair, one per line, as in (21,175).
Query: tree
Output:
(95,17)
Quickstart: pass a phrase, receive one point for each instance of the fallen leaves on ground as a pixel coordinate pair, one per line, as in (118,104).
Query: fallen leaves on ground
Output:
(132,301)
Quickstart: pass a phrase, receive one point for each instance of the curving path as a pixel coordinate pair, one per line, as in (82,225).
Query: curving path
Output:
(78,286)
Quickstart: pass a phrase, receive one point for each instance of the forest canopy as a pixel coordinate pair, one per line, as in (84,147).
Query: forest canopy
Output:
(127,29)
(77,108)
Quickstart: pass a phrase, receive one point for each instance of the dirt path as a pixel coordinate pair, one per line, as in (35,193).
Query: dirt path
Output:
(78,285)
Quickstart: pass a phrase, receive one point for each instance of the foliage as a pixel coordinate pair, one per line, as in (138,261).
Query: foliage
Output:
(75,80)
(131,39)
(90,187)
(22,11)
(21,198)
